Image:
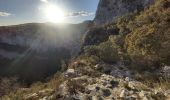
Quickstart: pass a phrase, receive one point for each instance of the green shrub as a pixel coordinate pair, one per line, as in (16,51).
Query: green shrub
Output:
(122,23)
(91,50)
(106,51)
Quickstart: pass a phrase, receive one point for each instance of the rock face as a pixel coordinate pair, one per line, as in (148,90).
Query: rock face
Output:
(165,72)
(110,10)
(97,35)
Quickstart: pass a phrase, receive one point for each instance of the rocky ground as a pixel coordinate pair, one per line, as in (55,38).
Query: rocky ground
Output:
(117,84)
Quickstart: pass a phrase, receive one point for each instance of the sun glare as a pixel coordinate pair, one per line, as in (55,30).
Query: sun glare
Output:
(54,14)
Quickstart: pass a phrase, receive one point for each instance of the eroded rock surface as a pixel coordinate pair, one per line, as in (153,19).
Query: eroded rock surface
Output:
(110,10)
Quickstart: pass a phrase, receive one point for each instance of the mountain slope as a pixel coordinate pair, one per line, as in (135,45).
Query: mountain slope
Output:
(27,48)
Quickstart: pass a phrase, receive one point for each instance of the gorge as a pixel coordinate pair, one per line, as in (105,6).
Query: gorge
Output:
(123,54)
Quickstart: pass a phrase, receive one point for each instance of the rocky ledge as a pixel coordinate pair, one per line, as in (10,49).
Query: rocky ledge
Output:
(117,84)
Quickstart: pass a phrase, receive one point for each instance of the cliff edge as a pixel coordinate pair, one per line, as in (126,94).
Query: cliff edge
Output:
(110,10)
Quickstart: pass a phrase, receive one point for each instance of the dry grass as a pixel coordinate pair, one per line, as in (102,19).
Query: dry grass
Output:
(153,81)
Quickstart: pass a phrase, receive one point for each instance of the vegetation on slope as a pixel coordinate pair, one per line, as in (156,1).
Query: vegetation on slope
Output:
(149,40)
(144,37)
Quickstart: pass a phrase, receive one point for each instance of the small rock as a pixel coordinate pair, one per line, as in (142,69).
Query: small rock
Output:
(44,98)
(131,98)
(51,97)
(93,93)
(31,96)
(94,98)
(84,97)
(131,92)
(127,79)
(109,86)
(123,94)
(155,91)
(70,73)
(142,94)
(131,85)
(96,66)
(91,87)
(104,83)
(134,96)
(135,85)
(46,91)
(145,98)
(168,97)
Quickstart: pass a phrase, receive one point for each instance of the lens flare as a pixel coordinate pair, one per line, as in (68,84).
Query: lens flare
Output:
(54,14)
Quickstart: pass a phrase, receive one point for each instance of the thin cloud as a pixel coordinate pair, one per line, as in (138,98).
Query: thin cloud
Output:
(4,14)
(80,13)
(45,1)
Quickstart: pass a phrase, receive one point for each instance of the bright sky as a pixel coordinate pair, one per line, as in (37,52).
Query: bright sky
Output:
(27,11)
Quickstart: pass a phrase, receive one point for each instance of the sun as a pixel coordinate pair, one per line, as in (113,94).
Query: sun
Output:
(54,14)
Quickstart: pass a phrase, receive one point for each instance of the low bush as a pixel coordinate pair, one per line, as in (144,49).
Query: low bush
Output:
(107,51)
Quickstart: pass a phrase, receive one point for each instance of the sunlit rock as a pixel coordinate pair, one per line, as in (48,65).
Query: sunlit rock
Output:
(111,10)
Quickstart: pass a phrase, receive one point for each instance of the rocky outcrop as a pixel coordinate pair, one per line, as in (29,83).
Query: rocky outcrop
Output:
(99,34)
(108,87)
(110,10)
(116,85)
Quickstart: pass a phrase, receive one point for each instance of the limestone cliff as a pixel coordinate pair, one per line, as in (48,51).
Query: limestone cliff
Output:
(110,10)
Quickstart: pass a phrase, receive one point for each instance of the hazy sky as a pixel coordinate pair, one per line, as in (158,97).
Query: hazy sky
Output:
(26,11)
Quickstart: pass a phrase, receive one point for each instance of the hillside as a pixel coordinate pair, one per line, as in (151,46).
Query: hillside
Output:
(26,48)
(125,59)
